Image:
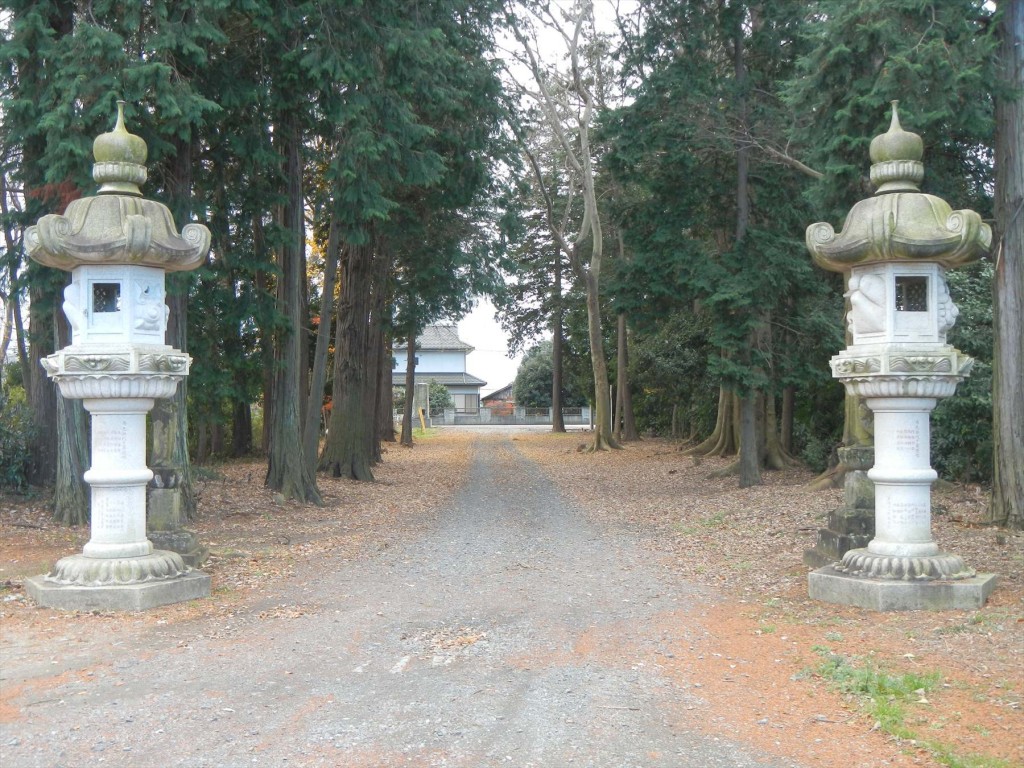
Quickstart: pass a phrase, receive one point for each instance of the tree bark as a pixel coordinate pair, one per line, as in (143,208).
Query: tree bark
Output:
(410,390)
(70,493)
(288,472)
(724,438)
(386,395)
(42,394)
(750,454)
(786,427)
(625,420)
(169,417)
(315,400)
(603,437)
(347,449)
(266,339)
(241,429)
(557,420)
(1007,507)
(372,400)
(749,463)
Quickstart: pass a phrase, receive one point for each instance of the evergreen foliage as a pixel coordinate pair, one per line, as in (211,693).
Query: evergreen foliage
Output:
(386,123)
(532,387)
(15,438)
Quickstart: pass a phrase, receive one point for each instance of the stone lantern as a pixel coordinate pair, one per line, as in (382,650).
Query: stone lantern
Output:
(118,247)
(895,248)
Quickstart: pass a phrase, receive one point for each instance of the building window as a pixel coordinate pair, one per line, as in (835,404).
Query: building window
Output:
(466,403)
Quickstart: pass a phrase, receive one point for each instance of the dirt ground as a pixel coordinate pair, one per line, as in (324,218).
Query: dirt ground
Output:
(750,655)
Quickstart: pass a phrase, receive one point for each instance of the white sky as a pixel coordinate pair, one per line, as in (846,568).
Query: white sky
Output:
(489,360)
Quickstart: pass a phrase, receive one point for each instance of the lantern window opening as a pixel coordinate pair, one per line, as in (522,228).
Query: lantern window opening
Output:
(106,297)
(911,294)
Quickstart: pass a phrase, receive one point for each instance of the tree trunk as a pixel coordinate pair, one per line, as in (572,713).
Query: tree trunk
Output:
(70,493)
(386,395)
(288,472)
(774,454)
(202,431)
(1007,506)
(263,285)
(724,439)
(241,429)
(19,329)
(169,417)
(372,401)
(557,420)
(786,427)
(42,393)
(625,420)
(315,401)
(347,449)
(750,453)
(410,390)
(749,463)
(603,437)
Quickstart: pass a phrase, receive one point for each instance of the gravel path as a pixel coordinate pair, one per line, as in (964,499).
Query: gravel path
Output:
(513,633)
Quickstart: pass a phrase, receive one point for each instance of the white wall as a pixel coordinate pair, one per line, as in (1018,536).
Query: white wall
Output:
(434,362)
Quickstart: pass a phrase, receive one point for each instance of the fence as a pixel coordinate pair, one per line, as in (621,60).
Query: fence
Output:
(519,416)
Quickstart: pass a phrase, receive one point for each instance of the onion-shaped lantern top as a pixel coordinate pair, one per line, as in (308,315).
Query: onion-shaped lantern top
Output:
(118,225)
(900,223)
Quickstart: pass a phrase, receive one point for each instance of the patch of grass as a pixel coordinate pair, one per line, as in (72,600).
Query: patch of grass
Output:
(946,756)
(716,520)
(834,637)
(884,696)
(206,472)
(767,629)
(978,622)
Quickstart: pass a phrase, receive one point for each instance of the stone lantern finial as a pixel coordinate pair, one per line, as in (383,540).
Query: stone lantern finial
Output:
(896,158)
(120,156)
(118,225)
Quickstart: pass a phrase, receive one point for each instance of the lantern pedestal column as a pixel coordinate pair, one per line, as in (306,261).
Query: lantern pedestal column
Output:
(118,568)
(902,567)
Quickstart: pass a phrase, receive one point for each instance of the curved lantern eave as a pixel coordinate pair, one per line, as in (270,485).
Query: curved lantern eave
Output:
(116,229)
(900,226)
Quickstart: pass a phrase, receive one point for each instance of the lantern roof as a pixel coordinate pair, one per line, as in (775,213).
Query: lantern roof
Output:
(117,225)
(899,223)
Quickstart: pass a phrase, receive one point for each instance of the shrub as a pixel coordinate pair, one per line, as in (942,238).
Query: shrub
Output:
(15,438)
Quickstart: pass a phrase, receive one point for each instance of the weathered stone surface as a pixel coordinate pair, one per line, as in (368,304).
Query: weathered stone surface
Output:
(852,525)
(831,586)
(895,248)
(118,246)
(83,571)
(124,597)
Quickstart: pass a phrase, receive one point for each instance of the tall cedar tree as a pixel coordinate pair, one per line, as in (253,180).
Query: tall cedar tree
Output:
(699,219)
(1008,396)
(413,138)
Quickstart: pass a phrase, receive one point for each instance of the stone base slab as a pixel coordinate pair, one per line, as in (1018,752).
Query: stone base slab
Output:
(831,586)
(182,541)
(831,546)
(119,597)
